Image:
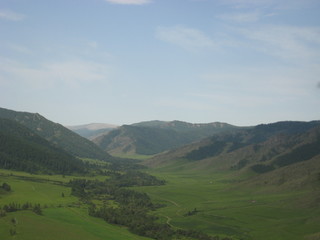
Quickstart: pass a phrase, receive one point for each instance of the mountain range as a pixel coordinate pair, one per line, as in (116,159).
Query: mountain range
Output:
(222,179)
(261,149)
(153,137)
(277,153)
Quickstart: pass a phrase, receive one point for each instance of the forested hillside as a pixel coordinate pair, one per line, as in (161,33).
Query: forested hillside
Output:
(22,149)
(56,134)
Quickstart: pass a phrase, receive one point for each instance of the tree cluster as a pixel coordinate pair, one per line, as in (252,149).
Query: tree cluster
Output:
(13,207)
(133,208)
(135,178)
(6,187)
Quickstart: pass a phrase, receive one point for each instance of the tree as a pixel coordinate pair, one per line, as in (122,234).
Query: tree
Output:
(37,209)
(14,221)
(3,213)
(6,187)
(13,232)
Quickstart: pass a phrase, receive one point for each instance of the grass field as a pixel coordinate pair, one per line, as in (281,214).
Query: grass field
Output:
(208,201)
(222,209)
(59,220)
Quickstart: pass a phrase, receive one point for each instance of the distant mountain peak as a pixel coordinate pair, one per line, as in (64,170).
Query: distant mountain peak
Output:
(152,137)
(92,130)
(92,126)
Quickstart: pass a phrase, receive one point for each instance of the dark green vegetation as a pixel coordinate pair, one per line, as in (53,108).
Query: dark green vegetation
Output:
(21,149)
(132,206)
(156,136)
(56,134)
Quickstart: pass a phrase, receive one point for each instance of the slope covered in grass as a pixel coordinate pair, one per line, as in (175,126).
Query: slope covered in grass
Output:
(224,203)
(63,216)
(215,185)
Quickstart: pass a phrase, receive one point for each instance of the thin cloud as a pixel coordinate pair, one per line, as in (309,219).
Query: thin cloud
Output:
(69,73)
(93,44)
(129,2)
(272,82)
(10,15)
(241,17)
(19,48)
(188,38)
(262,4)
(286,41)
(318,85)
(187,104)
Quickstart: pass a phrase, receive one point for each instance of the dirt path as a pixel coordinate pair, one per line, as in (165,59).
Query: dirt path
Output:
(168,220)
(168,200)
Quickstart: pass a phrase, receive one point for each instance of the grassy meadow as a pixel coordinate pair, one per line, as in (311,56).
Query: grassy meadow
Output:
(64,217)
(211,202)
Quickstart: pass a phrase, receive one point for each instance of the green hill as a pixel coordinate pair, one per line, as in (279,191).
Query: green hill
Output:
(261,149)
(56,134)
(242,184)
(22,149)
(157,136)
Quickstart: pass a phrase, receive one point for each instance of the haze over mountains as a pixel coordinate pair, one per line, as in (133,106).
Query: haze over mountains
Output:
(92,130)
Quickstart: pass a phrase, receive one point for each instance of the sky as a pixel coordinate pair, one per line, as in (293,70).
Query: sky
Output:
(244,62)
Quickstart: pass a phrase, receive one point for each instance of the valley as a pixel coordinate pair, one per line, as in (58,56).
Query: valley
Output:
(160,120)
(223,206)
(239,183)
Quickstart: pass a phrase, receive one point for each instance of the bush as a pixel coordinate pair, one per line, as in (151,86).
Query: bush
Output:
(6,187)
(3,213)
(37,209)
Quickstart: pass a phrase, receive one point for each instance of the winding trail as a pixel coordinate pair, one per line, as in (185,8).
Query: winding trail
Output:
(165,199)
(168,220)
(179,209)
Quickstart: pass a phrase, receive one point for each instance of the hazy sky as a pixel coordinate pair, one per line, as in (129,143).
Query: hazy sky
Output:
(243,62)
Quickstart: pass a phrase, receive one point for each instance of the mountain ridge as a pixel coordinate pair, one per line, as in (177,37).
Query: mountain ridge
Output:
(152,137)
(22,149)
(260,150)
(56,134)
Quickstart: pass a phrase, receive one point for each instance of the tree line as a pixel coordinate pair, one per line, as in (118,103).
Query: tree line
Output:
(133,208)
